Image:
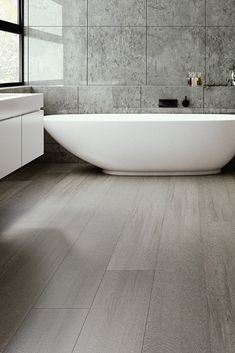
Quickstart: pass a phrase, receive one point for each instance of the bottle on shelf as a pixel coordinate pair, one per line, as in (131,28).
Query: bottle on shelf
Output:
(195,79)
(190,77)
(199,80)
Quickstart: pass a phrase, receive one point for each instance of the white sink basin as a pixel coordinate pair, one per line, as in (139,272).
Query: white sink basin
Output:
(15,104)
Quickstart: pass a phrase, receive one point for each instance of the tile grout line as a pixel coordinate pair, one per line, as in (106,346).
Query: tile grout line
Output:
(205,78)
(87,29)
(206,40)
(148,311)
(146,44)
(78,100)
(132,26)
(28,42)
(60,308)
(140,97)
(116,86)
(89,310)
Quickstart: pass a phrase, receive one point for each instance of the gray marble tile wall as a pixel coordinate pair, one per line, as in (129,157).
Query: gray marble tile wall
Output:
(16,89)
(121,56)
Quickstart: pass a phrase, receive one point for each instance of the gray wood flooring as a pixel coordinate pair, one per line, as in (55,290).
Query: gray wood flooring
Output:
(91,263)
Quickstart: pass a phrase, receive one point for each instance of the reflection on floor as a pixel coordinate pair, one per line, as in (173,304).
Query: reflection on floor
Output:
(91,263)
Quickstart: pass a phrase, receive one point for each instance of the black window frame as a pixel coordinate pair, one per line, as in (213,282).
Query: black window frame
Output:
(16,28)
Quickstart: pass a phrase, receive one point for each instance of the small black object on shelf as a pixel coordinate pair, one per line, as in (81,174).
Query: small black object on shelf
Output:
(168,103)
(186,102)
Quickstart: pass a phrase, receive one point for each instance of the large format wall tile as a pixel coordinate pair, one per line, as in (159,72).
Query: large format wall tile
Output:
(57,13)
(176,13)
(16,89)
(126,97)
(117,55)
(117,12)
(106,99)
(173,52)
(58,55)
(75,55)
(220,53)
(220,98)
(220,13)
(151,95)
(59,100)
(95,100)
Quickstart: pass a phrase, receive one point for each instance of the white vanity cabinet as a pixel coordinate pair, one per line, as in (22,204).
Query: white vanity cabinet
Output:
(21,141)
(10,145)
(21,130)
(32,136)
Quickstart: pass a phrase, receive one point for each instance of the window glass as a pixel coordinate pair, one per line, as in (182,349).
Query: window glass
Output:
(9,10)
(9,57)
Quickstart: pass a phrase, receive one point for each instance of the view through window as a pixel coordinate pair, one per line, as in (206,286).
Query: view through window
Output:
(11,42)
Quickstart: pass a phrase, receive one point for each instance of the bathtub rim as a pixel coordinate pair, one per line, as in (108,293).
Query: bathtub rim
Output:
(140,118)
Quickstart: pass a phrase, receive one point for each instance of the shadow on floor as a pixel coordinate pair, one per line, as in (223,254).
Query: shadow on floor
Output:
(28,260)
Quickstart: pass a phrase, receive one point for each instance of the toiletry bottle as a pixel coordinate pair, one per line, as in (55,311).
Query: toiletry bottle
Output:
(190,79)
(194,79)
(199,81)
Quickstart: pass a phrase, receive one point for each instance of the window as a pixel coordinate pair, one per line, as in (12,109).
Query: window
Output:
(11,42)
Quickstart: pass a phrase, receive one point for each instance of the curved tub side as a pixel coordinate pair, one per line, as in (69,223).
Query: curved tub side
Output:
(149,147)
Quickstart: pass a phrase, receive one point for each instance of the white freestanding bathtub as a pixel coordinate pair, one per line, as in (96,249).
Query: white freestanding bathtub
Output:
(138,144)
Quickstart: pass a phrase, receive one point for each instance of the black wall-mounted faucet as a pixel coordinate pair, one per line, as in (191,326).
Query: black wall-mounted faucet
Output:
(168,103)
(186,102)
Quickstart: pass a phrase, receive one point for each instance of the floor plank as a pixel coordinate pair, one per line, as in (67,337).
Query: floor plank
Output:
(152,259)
(138,245)
(178,315)
(31,268)
(229,181)
(117,319)
(15,207)
(219,249)
(76,281)
(39,185)
(48,331)
(30,223)
(8,189)
(217,205)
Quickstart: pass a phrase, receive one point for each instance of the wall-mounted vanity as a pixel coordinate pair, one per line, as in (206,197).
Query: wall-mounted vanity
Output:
(21,130)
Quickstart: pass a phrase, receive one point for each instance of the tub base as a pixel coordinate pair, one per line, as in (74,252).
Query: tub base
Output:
(114,172)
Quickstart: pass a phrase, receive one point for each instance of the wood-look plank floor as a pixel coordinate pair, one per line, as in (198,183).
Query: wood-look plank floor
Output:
(91,263)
